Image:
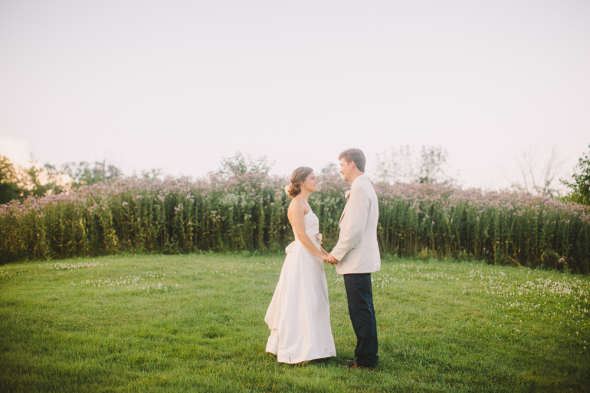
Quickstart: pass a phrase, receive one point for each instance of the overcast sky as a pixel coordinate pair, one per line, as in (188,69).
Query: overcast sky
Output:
(179,85)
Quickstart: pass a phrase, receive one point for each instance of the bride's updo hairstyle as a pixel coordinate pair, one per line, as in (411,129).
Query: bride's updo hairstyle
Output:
(297,178)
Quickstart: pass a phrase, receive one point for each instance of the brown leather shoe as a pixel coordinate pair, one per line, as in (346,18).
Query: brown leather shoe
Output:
(350,362)
(355,365)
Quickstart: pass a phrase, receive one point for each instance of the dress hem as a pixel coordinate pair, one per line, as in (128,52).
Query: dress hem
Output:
(305,360)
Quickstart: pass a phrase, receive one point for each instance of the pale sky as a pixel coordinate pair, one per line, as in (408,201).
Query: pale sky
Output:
(179,85)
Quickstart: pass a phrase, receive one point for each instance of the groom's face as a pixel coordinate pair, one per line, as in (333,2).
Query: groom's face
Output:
(346,169)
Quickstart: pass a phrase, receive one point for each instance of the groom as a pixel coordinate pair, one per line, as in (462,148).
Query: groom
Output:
(356,255)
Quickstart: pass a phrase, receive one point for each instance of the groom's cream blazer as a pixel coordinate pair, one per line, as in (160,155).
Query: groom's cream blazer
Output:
(357,250)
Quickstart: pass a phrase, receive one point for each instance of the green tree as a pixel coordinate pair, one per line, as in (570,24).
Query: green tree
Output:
(239,166)
(402,165)
(153,173)
(9,181)
(19,183)
(432,165)
(86,174)
(43,180)
(580,184)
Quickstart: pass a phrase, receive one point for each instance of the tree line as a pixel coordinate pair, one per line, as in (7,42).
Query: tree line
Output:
(19,183)
(398,165)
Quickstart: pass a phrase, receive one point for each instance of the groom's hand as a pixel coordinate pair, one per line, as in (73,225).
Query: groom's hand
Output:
(331,260)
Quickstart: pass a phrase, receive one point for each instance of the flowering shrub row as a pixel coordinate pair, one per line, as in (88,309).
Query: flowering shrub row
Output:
(249,213)
(499,227)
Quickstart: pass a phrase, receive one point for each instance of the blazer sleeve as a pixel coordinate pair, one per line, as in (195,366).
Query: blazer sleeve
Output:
(354,222)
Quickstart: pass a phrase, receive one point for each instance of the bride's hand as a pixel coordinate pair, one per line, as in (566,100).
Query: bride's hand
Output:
(331,260)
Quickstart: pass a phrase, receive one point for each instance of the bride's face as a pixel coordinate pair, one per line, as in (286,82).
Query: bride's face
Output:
(311,182)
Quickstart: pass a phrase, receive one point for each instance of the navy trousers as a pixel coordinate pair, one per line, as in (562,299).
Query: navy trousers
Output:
(362,315)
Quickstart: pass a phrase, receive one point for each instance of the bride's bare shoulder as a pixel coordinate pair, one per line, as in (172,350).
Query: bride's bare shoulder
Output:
(296,206)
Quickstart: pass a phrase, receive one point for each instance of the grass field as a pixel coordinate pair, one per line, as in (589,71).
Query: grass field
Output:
(196,323)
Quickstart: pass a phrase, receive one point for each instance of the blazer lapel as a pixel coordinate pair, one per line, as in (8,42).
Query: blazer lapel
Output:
(343,213)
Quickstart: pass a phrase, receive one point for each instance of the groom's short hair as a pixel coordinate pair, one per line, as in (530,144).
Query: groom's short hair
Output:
(355,155)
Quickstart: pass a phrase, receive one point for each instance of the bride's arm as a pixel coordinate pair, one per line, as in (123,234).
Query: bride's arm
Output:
(296,219)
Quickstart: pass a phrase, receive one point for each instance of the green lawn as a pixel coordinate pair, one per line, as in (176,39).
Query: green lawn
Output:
(196,323)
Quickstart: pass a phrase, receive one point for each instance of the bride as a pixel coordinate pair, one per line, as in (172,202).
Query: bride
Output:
(299,312)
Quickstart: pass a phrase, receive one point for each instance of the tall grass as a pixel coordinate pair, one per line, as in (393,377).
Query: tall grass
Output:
(249,213)
(499,227)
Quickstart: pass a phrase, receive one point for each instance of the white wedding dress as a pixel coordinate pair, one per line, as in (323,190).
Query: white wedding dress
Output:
(299,312)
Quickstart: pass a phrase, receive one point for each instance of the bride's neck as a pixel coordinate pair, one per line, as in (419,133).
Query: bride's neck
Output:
(304,195)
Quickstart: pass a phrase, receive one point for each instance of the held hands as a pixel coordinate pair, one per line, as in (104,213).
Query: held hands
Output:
(329,258)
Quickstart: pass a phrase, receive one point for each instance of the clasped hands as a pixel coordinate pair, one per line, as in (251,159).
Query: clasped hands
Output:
(329,258)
